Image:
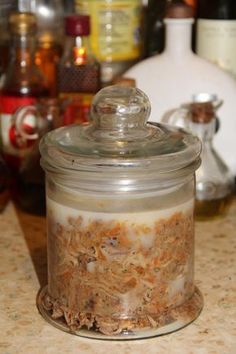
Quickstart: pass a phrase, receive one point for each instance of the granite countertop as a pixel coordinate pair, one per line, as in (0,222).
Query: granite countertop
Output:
(23,271)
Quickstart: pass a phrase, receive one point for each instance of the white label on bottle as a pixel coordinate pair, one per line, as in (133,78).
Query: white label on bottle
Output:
(216,41)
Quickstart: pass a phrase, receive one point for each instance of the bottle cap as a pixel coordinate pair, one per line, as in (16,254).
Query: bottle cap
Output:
(202,112)
(22,22)
(77,25)
(179,10)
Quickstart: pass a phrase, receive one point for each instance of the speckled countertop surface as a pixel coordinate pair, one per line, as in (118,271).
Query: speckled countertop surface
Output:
(23,271)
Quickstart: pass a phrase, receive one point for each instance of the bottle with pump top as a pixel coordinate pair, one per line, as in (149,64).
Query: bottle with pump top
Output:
(78,76)
(172,77)
(216,33)
(23,84)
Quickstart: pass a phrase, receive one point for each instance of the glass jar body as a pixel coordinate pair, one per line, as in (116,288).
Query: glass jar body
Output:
(120,265)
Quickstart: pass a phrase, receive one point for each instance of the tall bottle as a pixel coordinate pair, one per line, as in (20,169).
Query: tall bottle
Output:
(115,34)
(216,33)
(23,84)
(78,76)
(172,77)
(50,35)
(154,27)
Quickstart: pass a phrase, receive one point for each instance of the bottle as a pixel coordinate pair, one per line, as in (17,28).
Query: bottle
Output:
(23,84)
(154,27)
(116,39)
(172,77)
(216,33)
(214,182)
(50,35)
(78,76)
(47,56)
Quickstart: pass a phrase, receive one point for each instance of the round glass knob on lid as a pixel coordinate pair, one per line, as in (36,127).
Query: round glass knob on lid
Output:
(119,140)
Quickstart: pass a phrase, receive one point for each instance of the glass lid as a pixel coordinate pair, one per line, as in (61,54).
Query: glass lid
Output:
(119,137)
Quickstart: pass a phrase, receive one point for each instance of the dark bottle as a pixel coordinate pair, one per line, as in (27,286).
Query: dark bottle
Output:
(216,32)
(78,70)
(23,84)
(154,27)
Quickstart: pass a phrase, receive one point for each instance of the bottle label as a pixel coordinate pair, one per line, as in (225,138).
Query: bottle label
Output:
(16,126)
(115,28)
(216,41)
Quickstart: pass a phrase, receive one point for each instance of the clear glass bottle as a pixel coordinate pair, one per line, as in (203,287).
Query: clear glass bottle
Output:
(214,181)
(78,76)
(120,214)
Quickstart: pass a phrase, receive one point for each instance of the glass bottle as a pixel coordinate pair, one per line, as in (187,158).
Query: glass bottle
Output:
(172,77)
(120,214)
(23,84)
(216,33)
(116,40)
(214,181)
(154,27)
(50,35)
(78,76)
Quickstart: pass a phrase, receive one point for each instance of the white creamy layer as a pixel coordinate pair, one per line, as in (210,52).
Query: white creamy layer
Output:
(61,213)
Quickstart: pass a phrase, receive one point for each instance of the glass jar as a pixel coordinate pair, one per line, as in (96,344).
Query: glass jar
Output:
(120,200)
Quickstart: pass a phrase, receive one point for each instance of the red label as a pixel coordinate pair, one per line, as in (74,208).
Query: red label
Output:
(18,123)
(9,104)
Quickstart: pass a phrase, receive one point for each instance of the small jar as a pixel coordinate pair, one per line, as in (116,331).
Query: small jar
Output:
(120,202)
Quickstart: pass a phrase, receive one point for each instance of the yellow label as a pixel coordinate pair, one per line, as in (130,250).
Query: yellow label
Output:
(115,27)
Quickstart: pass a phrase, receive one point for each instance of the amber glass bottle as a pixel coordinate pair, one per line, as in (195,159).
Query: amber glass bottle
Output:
(22,85)
(47,56)
(78,70)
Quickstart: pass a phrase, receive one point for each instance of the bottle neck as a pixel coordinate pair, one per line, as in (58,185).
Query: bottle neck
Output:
(178,36)
(23,50)
(204,131)
(77,50)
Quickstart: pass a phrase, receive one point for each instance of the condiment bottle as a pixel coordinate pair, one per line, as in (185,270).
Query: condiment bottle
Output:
(214,181)
(22,84)
(116,39)
(50,36)
(78,71)
(120,215)
(171,78)
(47,56)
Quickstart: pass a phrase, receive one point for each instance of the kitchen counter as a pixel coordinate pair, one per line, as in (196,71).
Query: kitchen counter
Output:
(23,271)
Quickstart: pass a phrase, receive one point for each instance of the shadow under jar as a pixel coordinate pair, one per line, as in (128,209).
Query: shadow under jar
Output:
(120,203)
